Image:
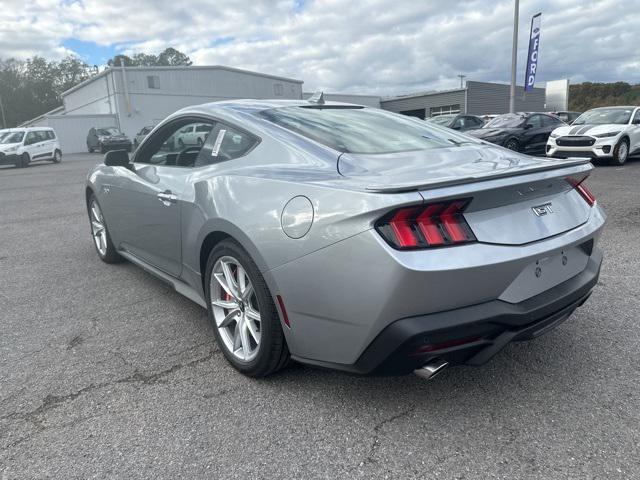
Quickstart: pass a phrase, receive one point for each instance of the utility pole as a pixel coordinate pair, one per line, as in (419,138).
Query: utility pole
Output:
(4,120)
(462,77)
(514,58)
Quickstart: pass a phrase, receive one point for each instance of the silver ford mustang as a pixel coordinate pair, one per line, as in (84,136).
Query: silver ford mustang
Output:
(349,237)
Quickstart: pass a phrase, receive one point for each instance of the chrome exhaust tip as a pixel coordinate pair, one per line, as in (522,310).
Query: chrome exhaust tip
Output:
(431,369)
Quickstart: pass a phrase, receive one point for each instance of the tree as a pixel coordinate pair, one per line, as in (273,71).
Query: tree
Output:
(32,87)
(170,57)
(583,96)
(121,60)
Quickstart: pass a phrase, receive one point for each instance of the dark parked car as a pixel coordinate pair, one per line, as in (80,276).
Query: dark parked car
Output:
(461,123)
(522,132)
(107,138)
(567,117)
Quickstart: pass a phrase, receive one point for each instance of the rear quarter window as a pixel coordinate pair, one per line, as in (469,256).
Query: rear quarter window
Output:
(361,130)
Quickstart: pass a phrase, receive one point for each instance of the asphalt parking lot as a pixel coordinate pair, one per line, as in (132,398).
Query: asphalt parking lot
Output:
(105,372)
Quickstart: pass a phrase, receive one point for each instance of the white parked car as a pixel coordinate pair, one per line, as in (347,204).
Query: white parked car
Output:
(21,146)
(192,135)
(612,133)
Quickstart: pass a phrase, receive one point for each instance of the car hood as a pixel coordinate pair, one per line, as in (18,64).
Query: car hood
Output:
(588,129)
(439,167)
(491,132)
(7,146)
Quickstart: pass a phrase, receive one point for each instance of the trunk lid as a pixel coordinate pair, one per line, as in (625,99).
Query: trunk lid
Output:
(516,199)
(410,171)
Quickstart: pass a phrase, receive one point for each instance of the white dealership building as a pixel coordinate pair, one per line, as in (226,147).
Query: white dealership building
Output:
(130,98)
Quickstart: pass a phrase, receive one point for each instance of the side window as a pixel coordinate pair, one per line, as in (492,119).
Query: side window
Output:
(173,147)
(458,124)
(636,118)
(52,134)
(43,136)
(31,138)
(225,143)
(548,121)
(476,121)
(535,121)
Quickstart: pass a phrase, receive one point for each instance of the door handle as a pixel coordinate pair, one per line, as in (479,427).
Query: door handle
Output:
(167,198)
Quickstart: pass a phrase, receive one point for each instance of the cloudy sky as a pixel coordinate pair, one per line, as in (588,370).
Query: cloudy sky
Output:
(358,46)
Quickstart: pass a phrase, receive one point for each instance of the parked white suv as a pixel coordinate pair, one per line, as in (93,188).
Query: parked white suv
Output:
(21,146)
(612,133)
(192,135)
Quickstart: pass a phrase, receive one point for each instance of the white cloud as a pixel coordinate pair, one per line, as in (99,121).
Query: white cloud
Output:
(374,46)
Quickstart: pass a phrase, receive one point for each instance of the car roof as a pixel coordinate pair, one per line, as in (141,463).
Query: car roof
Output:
(257,105)
(27,129)
(616,106)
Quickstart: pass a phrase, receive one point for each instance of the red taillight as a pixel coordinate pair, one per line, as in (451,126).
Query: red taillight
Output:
(426,226)
(581,188)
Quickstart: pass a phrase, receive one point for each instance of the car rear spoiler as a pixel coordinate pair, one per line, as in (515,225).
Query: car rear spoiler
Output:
(447,182)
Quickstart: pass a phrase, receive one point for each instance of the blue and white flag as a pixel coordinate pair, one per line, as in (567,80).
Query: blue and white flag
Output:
(532,58)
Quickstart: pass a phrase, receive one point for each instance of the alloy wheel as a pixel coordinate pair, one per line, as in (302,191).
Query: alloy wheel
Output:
(623,151)
(235,308)
(98,229)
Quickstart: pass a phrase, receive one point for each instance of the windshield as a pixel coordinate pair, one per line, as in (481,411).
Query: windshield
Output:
(510,120)
(441,119)
(15,137)
(601,116)
(362,130)
(108,131)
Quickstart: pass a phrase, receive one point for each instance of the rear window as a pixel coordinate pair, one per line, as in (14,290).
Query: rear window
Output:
(362,130)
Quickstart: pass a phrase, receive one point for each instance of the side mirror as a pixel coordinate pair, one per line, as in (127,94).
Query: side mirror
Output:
(117,158)
(527,126)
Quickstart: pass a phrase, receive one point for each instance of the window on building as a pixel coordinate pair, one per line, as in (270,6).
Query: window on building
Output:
(419,113)
(444,110)
(278,89)
(153,81)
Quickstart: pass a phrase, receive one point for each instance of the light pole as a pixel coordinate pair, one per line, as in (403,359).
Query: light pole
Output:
(4,120)
(462,77)
(514,58)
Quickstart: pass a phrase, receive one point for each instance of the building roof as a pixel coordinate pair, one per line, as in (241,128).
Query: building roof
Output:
(50,112)
(421,94)
(108,70)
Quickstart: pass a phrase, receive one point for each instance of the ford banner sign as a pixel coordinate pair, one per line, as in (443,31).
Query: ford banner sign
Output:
(532,59)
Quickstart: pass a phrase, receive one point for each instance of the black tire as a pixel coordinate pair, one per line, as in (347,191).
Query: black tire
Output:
(199,142)
(111,255)
(102,149)
(512,144)
(273,353)
(57,156)
(24,160)
(620,157)
(90,149)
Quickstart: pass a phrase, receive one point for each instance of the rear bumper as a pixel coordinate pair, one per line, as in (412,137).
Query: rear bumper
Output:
(471,335)
(485,329)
